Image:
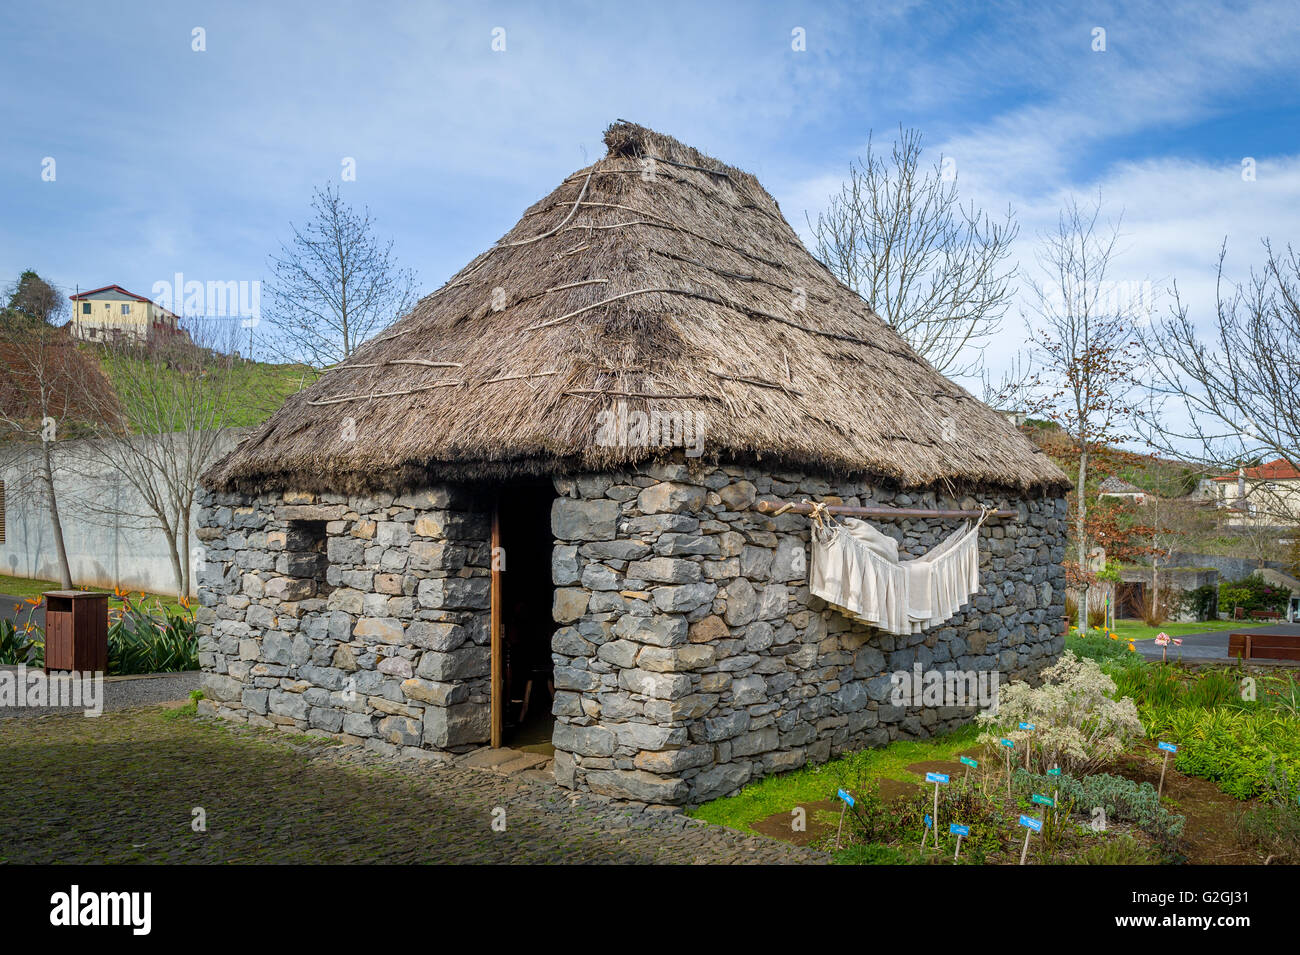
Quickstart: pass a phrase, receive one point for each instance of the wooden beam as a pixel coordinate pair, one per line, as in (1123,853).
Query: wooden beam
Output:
(498,661)
(847,510)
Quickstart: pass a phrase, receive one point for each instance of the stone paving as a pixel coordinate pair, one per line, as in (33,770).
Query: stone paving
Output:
(130,785)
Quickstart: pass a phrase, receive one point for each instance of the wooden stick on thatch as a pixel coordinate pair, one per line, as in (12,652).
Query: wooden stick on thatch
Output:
(572,212)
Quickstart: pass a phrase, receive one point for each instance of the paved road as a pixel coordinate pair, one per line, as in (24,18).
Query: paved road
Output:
(126,787)
(119,692)
(7,612)
(1211,645)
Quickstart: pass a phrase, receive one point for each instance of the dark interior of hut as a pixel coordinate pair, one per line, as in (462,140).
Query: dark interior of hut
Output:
(524,514)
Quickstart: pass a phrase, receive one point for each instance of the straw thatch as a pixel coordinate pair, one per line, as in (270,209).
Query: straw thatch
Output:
(660,279)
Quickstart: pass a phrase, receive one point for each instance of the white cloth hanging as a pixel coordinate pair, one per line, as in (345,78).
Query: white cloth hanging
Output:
(856,569)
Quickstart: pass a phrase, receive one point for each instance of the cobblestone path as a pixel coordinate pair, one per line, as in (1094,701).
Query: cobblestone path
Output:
(129,786)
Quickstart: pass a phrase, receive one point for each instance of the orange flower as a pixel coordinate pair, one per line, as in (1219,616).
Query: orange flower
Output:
(185,602)
(34,601)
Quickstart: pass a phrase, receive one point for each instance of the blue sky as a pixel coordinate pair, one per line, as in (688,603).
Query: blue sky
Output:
(168,159)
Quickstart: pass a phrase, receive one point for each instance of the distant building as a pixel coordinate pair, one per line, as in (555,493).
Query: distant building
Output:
(112,313)
(1262,496)
(1114,487)
(1017,418)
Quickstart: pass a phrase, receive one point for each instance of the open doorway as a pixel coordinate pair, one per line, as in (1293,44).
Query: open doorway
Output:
(523,683)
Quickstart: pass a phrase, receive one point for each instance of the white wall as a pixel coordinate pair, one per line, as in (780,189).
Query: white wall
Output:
(107,545)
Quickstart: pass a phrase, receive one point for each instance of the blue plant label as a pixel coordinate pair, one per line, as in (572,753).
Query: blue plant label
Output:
(1168,747)
(1043,800)
(846,797)
(928,821)
(1054,771)
(957,829)
(967,761)
(1027,726)
(936,777)
(1029,822)
(1007,742)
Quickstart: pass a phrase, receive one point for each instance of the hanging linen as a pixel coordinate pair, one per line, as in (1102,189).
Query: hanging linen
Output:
(856,569)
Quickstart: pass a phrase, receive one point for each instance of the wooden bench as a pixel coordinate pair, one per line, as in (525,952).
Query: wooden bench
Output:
(1264,646)
(1242,614)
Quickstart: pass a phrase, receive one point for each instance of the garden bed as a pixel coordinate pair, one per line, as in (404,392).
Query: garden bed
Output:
(1229,793)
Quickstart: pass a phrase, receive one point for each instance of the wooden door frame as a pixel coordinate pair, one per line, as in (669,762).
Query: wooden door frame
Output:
(498,663)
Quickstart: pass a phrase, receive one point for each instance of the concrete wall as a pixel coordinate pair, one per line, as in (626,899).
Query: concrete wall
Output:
(108,544)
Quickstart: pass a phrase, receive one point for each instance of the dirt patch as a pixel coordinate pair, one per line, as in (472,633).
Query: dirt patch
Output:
(1210,833)
(778,825)
(937,766)
(893,790)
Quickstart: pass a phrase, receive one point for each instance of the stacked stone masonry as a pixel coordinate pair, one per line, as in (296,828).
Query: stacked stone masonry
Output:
(689,656)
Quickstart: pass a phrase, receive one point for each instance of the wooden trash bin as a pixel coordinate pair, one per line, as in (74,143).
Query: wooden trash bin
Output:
(76,631)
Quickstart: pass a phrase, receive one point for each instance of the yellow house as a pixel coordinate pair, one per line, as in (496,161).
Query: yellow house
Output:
(112,313)
(1263,496)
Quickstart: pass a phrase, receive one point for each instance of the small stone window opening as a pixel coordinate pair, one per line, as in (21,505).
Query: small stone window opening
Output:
(305,554)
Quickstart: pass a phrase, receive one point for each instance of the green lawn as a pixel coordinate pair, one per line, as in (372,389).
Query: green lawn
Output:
(25,587)
(774,794)
(246,399)
(1137,630)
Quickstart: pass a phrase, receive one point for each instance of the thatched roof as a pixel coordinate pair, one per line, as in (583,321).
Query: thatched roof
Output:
(657,279)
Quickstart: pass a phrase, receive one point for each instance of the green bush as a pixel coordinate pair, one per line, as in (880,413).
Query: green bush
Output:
(871,853)
(1252,593)
(1175,686)
(1202,602)
(1097,645)
(1122,800)
(1273,825)
(1237,748)
(1122,851)
(147,639)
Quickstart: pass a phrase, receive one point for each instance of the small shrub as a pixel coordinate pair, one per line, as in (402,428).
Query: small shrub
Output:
(1079,724)
(1252,593)
(1234,747)
(871,853)
(1202,602)
(1098,645)
(1121,799)
(1273,826)
(1097,616)
(1122,851)
(144,638)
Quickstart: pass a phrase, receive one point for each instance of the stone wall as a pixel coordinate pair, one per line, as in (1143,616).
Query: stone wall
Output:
(362,617)
(691,657)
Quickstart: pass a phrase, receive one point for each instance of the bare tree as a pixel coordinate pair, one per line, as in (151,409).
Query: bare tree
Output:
(335,284)
(1082,339)
(169,421)
(898,235)
(1230,394)
(45,386)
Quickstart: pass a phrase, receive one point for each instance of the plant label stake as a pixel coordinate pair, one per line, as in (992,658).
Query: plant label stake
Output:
(958,830)
(1029,743)
(848,801)
(926,831)
(938,779)
(1031,825)
(969,764)
(1168,748)
(1010,745)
